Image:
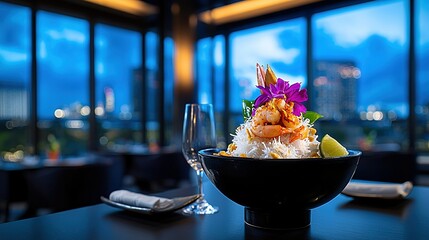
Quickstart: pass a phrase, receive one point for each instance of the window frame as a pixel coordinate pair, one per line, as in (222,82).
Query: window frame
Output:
(93,16)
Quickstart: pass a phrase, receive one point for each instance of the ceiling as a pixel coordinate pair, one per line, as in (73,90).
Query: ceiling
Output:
(209,11)
(134,7)
(242,10)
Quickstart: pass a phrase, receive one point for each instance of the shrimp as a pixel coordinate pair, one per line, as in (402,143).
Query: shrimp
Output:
(269,131)
(299,133)
(267,114)
(289,120)
(265,122)
(273,116)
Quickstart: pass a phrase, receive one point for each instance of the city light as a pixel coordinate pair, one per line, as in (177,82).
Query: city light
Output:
(125,113)
(11,124)
(109,99)
(371,115)
(320,81)
(350,72)
(14,156)
(99,111)
(392,115)
(74,124)
(103,140)
(59,113)
(85,110)
(377,116)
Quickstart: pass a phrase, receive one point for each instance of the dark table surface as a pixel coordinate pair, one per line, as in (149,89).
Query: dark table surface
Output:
(342,218)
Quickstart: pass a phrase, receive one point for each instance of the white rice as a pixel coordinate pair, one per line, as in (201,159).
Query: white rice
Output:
(257,147)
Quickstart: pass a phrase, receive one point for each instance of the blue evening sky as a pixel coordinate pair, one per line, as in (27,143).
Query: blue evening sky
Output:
(373,34)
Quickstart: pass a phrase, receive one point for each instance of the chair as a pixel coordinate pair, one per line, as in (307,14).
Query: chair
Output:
(160,171)
(387,166)
(62,188)
(13,188)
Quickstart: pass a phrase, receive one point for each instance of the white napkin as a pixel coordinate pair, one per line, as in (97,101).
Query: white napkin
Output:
(378,190)
(140,200)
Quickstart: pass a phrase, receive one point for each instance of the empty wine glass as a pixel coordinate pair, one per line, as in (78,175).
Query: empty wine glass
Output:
(198,133)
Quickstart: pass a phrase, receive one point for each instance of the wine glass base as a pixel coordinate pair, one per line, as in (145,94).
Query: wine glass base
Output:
(200,207)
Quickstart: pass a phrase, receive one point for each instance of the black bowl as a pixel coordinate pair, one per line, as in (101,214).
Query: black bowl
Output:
(279,193)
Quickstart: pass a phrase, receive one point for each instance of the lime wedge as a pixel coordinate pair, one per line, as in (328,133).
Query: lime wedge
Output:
(329,147)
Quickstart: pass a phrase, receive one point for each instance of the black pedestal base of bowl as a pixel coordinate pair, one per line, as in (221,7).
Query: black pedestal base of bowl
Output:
(277,219)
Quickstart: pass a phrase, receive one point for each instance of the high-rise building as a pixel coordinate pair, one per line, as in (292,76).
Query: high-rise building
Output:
(109,100)
(13,101)
(335,89)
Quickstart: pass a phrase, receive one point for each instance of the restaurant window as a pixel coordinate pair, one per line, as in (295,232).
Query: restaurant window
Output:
(118,88)
(360,74)
(204,71)
(152,89)
(210,75)
(169,90)
(422,74)
(219,72)
(15,68)
(219,85)
(281,45)
(62,84)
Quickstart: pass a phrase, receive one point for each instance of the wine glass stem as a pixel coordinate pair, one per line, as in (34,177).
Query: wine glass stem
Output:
(200,174)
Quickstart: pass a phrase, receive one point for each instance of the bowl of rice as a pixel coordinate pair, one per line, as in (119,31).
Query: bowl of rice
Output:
(274,166)
(279,194)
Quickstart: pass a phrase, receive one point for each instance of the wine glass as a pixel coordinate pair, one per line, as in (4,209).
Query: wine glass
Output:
(198,133)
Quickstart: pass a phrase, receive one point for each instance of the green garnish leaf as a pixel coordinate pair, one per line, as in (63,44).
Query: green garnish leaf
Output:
(312,116)
(247,109)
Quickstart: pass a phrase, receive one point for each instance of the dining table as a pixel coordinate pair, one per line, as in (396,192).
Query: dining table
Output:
(343,217)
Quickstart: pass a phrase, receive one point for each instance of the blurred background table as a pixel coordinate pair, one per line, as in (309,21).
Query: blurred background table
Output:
(153,170)
(57,185)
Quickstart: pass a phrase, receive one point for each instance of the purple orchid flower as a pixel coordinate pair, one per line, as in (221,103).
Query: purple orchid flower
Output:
(282,90)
